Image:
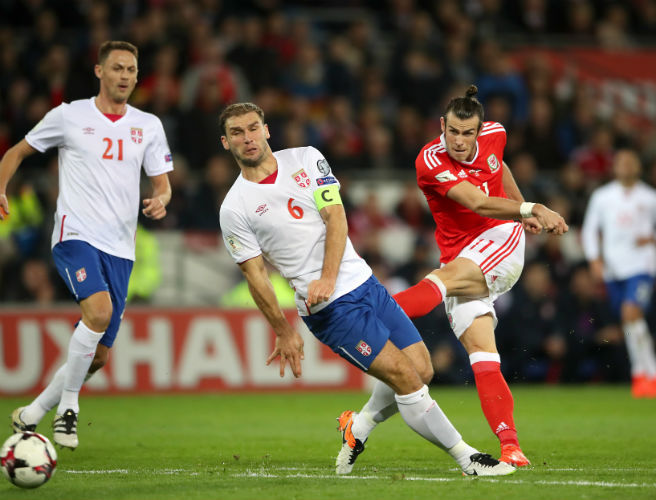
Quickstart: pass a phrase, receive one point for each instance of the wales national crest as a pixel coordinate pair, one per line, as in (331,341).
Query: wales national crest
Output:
(492,162)
(136,134)
(301,178)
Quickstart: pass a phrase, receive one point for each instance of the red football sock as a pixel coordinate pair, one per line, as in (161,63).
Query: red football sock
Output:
(496,400)
(420,299)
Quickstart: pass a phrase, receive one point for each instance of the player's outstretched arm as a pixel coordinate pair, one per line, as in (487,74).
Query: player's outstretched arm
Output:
(511,188)
(155,207)
(495,207)
(8,166)
(289,344)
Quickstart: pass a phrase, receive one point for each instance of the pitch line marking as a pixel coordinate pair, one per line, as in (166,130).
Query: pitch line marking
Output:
(273,475)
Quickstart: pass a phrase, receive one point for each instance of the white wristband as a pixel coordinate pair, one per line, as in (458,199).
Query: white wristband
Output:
(526,209)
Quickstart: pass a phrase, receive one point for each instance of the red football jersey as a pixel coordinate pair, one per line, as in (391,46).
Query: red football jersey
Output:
(437,172)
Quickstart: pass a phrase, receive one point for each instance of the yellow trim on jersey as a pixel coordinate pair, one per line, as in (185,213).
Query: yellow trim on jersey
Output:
(327,195)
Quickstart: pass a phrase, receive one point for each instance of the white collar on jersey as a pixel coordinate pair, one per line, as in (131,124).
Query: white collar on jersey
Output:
(443,142)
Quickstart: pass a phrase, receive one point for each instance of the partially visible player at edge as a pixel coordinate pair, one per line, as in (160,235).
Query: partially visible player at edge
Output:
(619,241)
(285,207)
(473,196)
(103,143)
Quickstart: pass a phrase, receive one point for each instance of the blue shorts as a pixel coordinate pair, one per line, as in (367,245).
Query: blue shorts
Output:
(357,325)
(87,270)
(636,289)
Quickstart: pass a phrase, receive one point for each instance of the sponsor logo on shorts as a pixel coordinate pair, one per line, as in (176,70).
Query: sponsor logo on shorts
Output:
(364,348)
(81,275)
(326,180)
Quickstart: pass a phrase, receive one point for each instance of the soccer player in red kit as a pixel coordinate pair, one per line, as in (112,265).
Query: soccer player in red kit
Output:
(475,201)
(476,204)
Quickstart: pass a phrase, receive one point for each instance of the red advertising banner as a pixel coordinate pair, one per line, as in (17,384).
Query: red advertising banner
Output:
(164,350)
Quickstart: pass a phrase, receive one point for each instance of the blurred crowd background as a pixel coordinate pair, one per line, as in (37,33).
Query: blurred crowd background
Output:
(365,82)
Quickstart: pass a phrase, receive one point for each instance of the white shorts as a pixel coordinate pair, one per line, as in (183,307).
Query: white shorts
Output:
(499,252)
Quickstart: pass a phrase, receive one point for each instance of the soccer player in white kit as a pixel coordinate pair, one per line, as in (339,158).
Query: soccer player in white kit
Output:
(285,208)
(103,143)
(619,241)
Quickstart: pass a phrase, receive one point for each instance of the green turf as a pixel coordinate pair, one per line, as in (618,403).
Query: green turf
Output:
(585,442)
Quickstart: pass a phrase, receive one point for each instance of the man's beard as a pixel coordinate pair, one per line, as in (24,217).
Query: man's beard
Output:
(247,162)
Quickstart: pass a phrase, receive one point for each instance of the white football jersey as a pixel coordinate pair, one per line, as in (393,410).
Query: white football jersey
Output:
(280,221)
(99,171)
(622,216)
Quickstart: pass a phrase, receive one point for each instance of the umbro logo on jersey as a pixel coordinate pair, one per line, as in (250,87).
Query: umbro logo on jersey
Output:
(446,176)
(88,130)
(262,209)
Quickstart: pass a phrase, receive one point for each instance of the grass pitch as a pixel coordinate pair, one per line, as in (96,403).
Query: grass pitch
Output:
(585,443)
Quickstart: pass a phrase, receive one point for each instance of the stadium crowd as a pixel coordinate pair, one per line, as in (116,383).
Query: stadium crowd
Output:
(363,81)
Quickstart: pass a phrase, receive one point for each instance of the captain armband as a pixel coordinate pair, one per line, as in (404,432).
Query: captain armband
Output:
(327,195)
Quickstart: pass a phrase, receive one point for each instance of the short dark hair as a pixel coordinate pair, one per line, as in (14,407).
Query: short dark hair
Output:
(106,47)
(466,106)
(238,109)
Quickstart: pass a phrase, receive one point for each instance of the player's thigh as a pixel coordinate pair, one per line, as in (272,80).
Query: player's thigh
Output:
(118,271)
(351,327)
(79,265)
(479,336)
(490,265)
(394,368)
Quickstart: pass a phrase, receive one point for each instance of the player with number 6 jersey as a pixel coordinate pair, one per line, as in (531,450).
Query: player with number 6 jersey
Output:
(285,207)
(102,145)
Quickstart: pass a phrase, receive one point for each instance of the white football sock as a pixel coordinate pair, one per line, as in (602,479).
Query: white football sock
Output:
(640,346)
(427,419)
(638,331)
(631,338)
(81,351)
(462,453)
(46,401)
(380,407)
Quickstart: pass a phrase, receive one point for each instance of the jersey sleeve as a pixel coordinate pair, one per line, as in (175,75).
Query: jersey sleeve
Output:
(590,229)
(49,132)
(157,158)
(434,175)
(318,169)
(237,236)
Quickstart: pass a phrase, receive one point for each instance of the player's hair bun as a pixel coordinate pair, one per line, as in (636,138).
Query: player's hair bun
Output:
(472,90)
